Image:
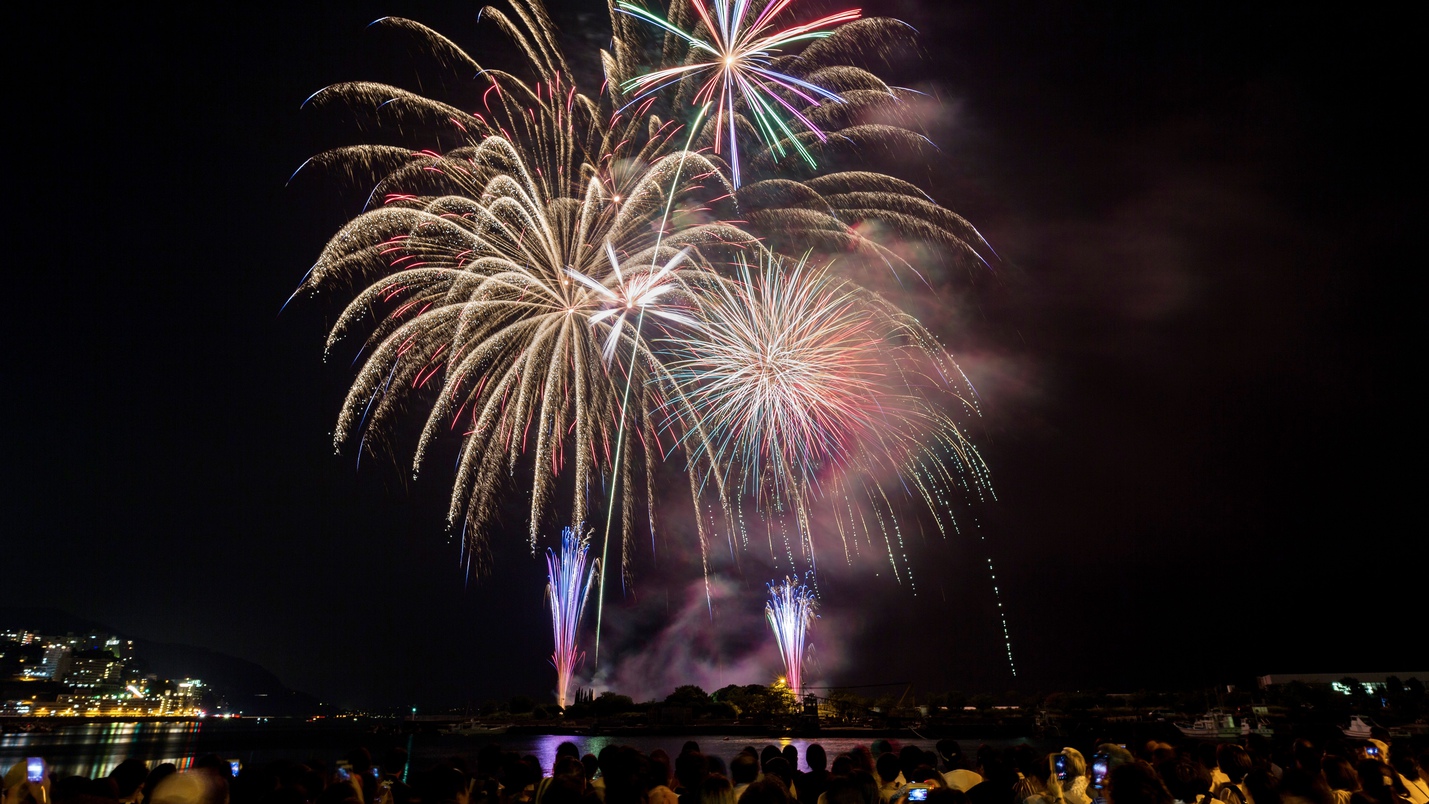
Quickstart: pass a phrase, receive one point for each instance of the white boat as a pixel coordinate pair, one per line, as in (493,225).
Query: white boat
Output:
(1360,728)
(472,728)
(1213,725)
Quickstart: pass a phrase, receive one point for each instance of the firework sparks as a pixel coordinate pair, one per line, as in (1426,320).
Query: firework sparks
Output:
(790,612)
(785,372)
(568,588)
(808,387)
(493,299)
(734,49)
(510,254)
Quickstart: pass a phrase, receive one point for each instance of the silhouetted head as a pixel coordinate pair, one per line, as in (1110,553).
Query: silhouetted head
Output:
(862,758)
(359,758)
(769,790)
(1377,780)
(779,768)
(1263,787)
(1339,774)
(949,751)
(1258,746)
(128,775)
(626,781)
(1136,783)
(922,775)
(743,769)
(488,760)
(715,789)
(443,783)
(1234,761)
(1307,756)
(888,769)
(843,790)
(659,769)
(691,768)
(1186,778)
(1206,755)
(909,758)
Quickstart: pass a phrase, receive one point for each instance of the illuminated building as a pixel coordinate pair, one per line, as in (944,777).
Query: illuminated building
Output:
(94,669)
(54,666)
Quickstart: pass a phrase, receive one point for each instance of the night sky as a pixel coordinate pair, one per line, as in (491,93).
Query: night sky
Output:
(1193,357)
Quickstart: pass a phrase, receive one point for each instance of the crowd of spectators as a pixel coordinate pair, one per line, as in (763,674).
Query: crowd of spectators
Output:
(1339,772)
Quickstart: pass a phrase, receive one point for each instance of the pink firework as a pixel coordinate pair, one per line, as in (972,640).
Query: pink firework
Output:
(790,612)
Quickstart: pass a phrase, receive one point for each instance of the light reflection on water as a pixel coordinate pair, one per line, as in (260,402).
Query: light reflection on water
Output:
(543,747)
(93,749)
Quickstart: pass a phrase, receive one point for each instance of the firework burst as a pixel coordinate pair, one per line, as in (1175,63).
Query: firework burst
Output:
(567,589)
(808,387)
(818,104)
(790,612)
(735,57)
(501,307)
(515,253)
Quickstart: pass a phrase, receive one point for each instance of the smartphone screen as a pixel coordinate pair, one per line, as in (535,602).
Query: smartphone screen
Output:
(1099,772)
(344,774)
(35,769)
(1061,767)
(234,766)
(918,794)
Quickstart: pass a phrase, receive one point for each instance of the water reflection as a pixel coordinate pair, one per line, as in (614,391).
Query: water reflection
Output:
(93,749)
(543,747)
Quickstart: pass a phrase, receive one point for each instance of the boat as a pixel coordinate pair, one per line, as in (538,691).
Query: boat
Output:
(472,728)
(1213,725)
(1255,725)
(1418,728)
(1360,728)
